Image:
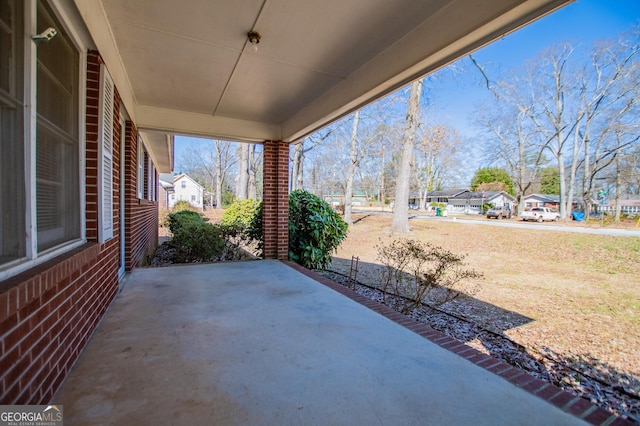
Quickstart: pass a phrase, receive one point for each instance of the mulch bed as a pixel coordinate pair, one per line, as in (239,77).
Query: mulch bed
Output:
(603,388)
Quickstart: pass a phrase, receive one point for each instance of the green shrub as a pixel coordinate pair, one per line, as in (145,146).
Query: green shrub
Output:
(315,230)
(239,214)
(194,239)
(254,230)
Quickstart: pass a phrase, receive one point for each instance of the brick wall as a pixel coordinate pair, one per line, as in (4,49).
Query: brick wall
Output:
(275,213)
(48,313)
(141,215)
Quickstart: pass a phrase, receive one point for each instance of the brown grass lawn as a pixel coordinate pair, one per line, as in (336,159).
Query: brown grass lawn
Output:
(580,293)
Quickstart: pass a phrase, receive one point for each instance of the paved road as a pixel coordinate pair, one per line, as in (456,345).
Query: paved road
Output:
(527,225)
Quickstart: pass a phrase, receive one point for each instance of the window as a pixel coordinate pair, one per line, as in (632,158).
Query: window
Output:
(57,142)
(183,184)
(147,175)
(193,198)
(12,148)
(39,171)
(151,181)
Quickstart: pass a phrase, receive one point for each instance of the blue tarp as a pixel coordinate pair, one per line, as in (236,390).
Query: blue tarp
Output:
(578,216)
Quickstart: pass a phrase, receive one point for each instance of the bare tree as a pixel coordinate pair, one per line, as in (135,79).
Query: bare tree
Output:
(210,164)
(610,126)
(255,168)
(362,139)
(300,150)
(223,161)
(573,111)
(297,165)
(511,143)
(511,139)
(400,224)
(242,179)
(555,108)
(436,149)
(353,165)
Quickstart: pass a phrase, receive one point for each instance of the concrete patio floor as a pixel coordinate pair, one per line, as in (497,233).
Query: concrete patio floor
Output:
(259,343)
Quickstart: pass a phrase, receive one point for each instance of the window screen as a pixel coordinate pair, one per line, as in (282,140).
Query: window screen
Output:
(57,162)
(12,146)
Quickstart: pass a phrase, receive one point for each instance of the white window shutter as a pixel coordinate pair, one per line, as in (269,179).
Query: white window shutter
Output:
(140,155)
(105,152)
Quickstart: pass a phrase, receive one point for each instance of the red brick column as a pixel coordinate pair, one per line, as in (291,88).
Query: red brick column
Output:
(275,200)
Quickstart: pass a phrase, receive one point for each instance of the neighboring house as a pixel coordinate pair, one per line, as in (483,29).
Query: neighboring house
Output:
(166,190)
(627,207)
(541,200)
(440,196)
(209,199)
(548,200)
(358,199)
(186,189)
(471,202)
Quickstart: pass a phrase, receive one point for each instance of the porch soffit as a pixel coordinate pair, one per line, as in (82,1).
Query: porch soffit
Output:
(187,67)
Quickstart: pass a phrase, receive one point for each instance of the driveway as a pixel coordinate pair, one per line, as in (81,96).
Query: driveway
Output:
(514,223)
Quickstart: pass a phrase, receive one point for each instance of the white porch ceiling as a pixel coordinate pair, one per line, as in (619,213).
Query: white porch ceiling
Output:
(185,67)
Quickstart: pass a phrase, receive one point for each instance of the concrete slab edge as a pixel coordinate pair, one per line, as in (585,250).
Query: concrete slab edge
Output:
(566,401)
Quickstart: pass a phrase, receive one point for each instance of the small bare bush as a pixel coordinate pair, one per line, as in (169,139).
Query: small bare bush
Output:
(418,273)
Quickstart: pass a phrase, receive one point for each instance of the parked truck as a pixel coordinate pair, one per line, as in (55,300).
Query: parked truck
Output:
(540,214)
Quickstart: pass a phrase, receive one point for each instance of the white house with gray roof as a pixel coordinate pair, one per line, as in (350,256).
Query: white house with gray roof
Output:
(186,189)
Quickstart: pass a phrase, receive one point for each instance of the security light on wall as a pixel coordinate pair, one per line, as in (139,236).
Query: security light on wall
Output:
(254,38)
(46,35)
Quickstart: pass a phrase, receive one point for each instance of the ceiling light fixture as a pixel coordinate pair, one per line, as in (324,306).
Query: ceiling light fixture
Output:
(254,38)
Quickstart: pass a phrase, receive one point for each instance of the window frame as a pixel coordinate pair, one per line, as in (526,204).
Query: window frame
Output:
(33,257)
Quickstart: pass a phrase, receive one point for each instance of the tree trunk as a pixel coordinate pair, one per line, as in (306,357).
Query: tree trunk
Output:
(381,194)
(563,185)
(219,186)
(253,181)
(573,172)
(618,190)
(243,173)
(353,165)
(296,167)
(219,174)
(400,223)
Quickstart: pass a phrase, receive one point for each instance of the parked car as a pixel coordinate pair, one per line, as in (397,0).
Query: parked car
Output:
(540,214)
(499,213)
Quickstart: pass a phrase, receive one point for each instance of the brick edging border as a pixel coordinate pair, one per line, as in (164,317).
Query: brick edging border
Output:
(567,402)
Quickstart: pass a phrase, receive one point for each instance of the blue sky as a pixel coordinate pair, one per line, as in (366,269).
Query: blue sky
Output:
(581,23)
(454,96)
